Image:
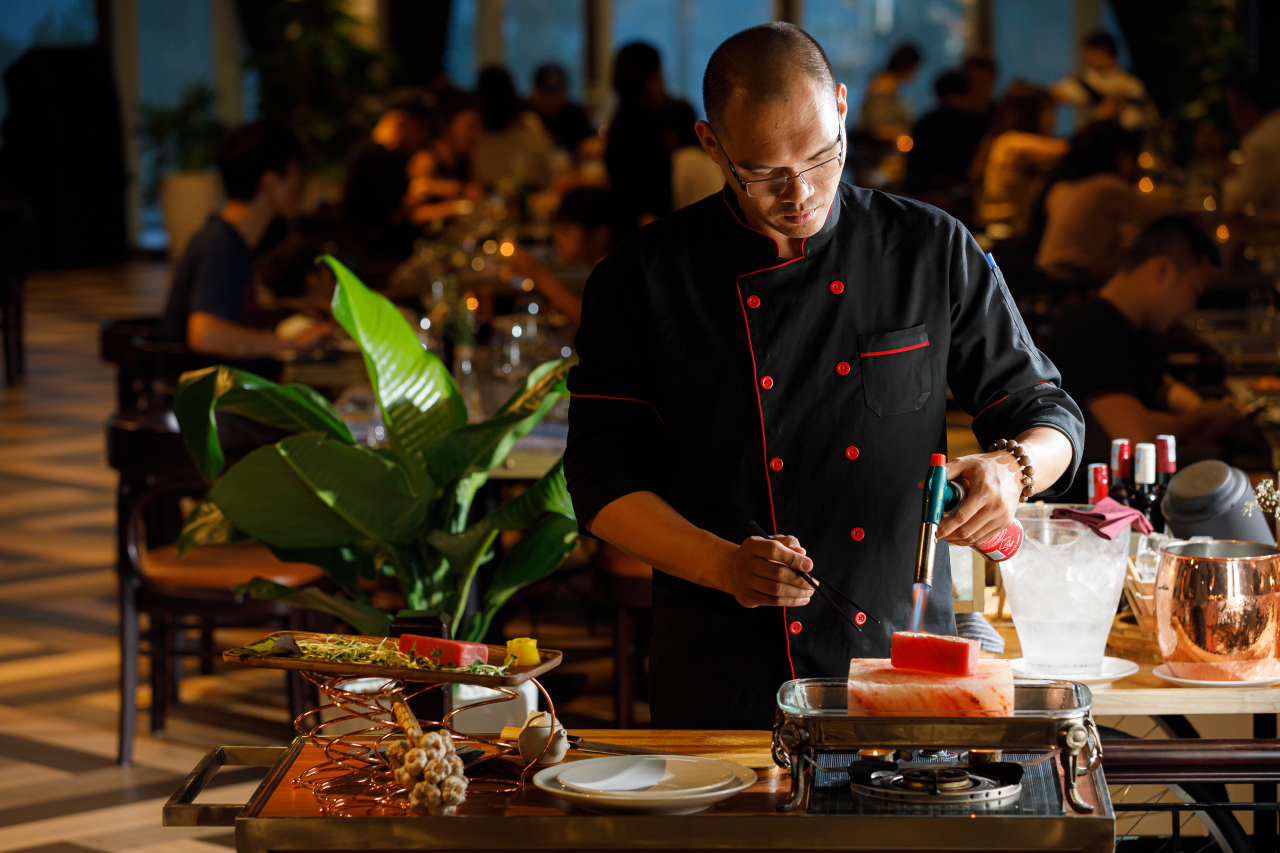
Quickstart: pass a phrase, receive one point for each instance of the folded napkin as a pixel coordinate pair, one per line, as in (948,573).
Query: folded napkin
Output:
(1107,518)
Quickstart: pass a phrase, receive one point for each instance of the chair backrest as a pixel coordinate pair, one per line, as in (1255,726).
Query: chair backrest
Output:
(115,342)
(155,518)
(159,364)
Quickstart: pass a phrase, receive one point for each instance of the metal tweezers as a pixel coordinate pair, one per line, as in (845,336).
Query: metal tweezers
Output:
(819,586)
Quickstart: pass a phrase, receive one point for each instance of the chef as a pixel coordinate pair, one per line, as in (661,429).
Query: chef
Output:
(780,352)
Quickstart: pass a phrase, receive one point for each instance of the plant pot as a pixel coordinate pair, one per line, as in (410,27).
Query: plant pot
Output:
(188,199)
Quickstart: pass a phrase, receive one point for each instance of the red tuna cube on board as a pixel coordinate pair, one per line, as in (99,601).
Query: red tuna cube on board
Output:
(934,653)
(451,652)
(877,686)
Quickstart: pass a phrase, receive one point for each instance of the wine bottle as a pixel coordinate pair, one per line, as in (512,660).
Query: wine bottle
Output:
(1120,485)
(1166,461)
(1144,497)
(1098,488)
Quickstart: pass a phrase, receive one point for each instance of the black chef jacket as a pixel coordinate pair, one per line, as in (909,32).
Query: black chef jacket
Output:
(807,394)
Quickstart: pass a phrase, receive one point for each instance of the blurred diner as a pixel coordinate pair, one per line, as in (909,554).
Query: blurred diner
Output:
(211,296)
(1253,102)
(1091,206)
(566,121)
(884,114)
(1104,90)
(1109,351)
(644,131)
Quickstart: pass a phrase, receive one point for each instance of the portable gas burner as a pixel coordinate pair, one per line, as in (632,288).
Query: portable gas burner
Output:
(991,784)
(1048,718)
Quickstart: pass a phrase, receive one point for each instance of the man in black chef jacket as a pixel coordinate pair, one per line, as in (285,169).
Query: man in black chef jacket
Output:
(780,351)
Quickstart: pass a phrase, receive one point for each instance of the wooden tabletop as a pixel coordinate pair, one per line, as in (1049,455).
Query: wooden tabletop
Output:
(1146,694)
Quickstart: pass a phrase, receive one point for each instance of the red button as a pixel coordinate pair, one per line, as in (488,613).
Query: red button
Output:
(842,368)
(753,301)
(860,618)
(851,452)
(775,463)
(837,287)
(766,383)
(857,534)
(795,627)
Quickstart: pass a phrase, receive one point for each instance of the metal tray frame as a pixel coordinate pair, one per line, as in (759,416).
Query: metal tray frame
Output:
(1047,715)
(578,831)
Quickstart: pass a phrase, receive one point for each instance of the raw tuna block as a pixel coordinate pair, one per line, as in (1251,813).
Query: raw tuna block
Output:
(451,652)
(875,685)
(933,653)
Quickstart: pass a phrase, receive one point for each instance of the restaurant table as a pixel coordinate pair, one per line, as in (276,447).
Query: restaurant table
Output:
(1146,694)
(281,817)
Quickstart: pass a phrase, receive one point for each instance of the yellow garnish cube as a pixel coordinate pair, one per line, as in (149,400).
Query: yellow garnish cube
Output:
(525,650)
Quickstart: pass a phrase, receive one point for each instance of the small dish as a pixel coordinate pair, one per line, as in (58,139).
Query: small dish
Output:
(1162,671)
(1113,669)
(647,774)
(665,804)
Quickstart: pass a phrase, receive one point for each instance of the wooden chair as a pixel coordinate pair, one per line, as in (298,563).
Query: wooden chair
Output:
(197,588)
(628,585)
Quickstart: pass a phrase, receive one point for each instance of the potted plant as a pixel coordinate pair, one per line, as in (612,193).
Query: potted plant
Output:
(359,512)
(183,141)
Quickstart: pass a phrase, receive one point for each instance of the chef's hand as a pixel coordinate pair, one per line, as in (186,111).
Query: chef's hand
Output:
(760,573)
(994,485)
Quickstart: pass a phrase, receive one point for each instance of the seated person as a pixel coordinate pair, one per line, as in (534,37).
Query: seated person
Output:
(1092,206)
(1254,105)
(515,148)
(566,121)
(440,184)
(212,291)
(1018,152)
(884,114)
(1108,350)
(945,139)
(1104,90)
(374,197)
(585,228)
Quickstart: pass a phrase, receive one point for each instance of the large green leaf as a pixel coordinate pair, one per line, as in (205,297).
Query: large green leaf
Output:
(466,551)
(549,494)
(309,491)
(201,393)
(419,399)
(533,558)
(206,525)
(364,618)
(479,447)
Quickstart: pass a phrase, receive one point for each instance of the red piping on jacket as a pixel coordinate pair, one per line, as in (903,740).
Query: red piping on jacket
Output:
(627,400)
(1006,397)
(892,351)
(764,448)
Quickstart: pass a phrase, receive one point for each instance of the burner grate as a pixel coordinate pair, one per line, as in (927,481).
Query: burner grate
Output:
(1041,792)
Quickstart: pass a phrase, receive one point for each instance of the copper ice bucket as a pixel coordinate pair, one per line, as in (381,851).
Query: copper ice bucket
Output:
(1218,609)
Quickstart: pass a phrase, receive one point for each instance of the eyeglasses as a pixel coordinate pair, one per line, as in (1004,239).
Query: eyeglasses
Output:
(813,176)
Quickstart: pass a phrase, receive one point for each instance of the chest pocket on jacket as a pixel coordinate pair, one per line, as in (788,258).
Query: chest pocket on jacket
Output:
(895,370)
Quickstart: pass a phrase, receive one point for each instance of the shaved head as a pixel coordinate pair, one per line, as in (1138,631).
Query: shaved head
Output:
(761,65)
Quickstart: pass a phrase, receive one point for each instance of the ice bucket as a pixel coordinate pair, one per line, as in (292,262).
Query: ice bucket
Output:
(1217,608)
(1063,585)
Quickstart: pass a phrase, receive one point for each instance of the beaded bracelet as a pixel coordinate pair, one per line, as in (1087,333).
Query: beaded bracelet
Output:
(1028,473)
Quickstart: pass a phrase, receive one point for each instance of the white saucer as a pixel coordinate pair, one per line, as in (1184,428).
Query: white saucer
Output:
(1162,671)
(1113,669)
(668,803)
(637,775)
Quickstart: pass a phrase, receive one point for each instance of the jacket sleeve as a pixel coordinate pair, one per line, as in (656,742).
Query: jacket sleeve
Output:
(616,433)
(995,372)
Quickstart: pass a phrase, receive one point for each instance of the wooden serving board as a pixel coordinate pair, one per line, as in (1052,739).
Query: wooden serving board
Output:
(514,676)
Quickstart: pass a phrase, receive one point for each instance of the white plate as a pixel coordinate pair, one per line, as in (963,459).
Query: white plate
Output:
(1113,669)
(1162,671)
(638,775)
(669,803)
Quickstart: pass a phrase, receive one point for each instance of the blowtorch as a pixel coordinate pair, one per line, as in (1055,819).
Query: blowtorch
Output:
(940,496)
